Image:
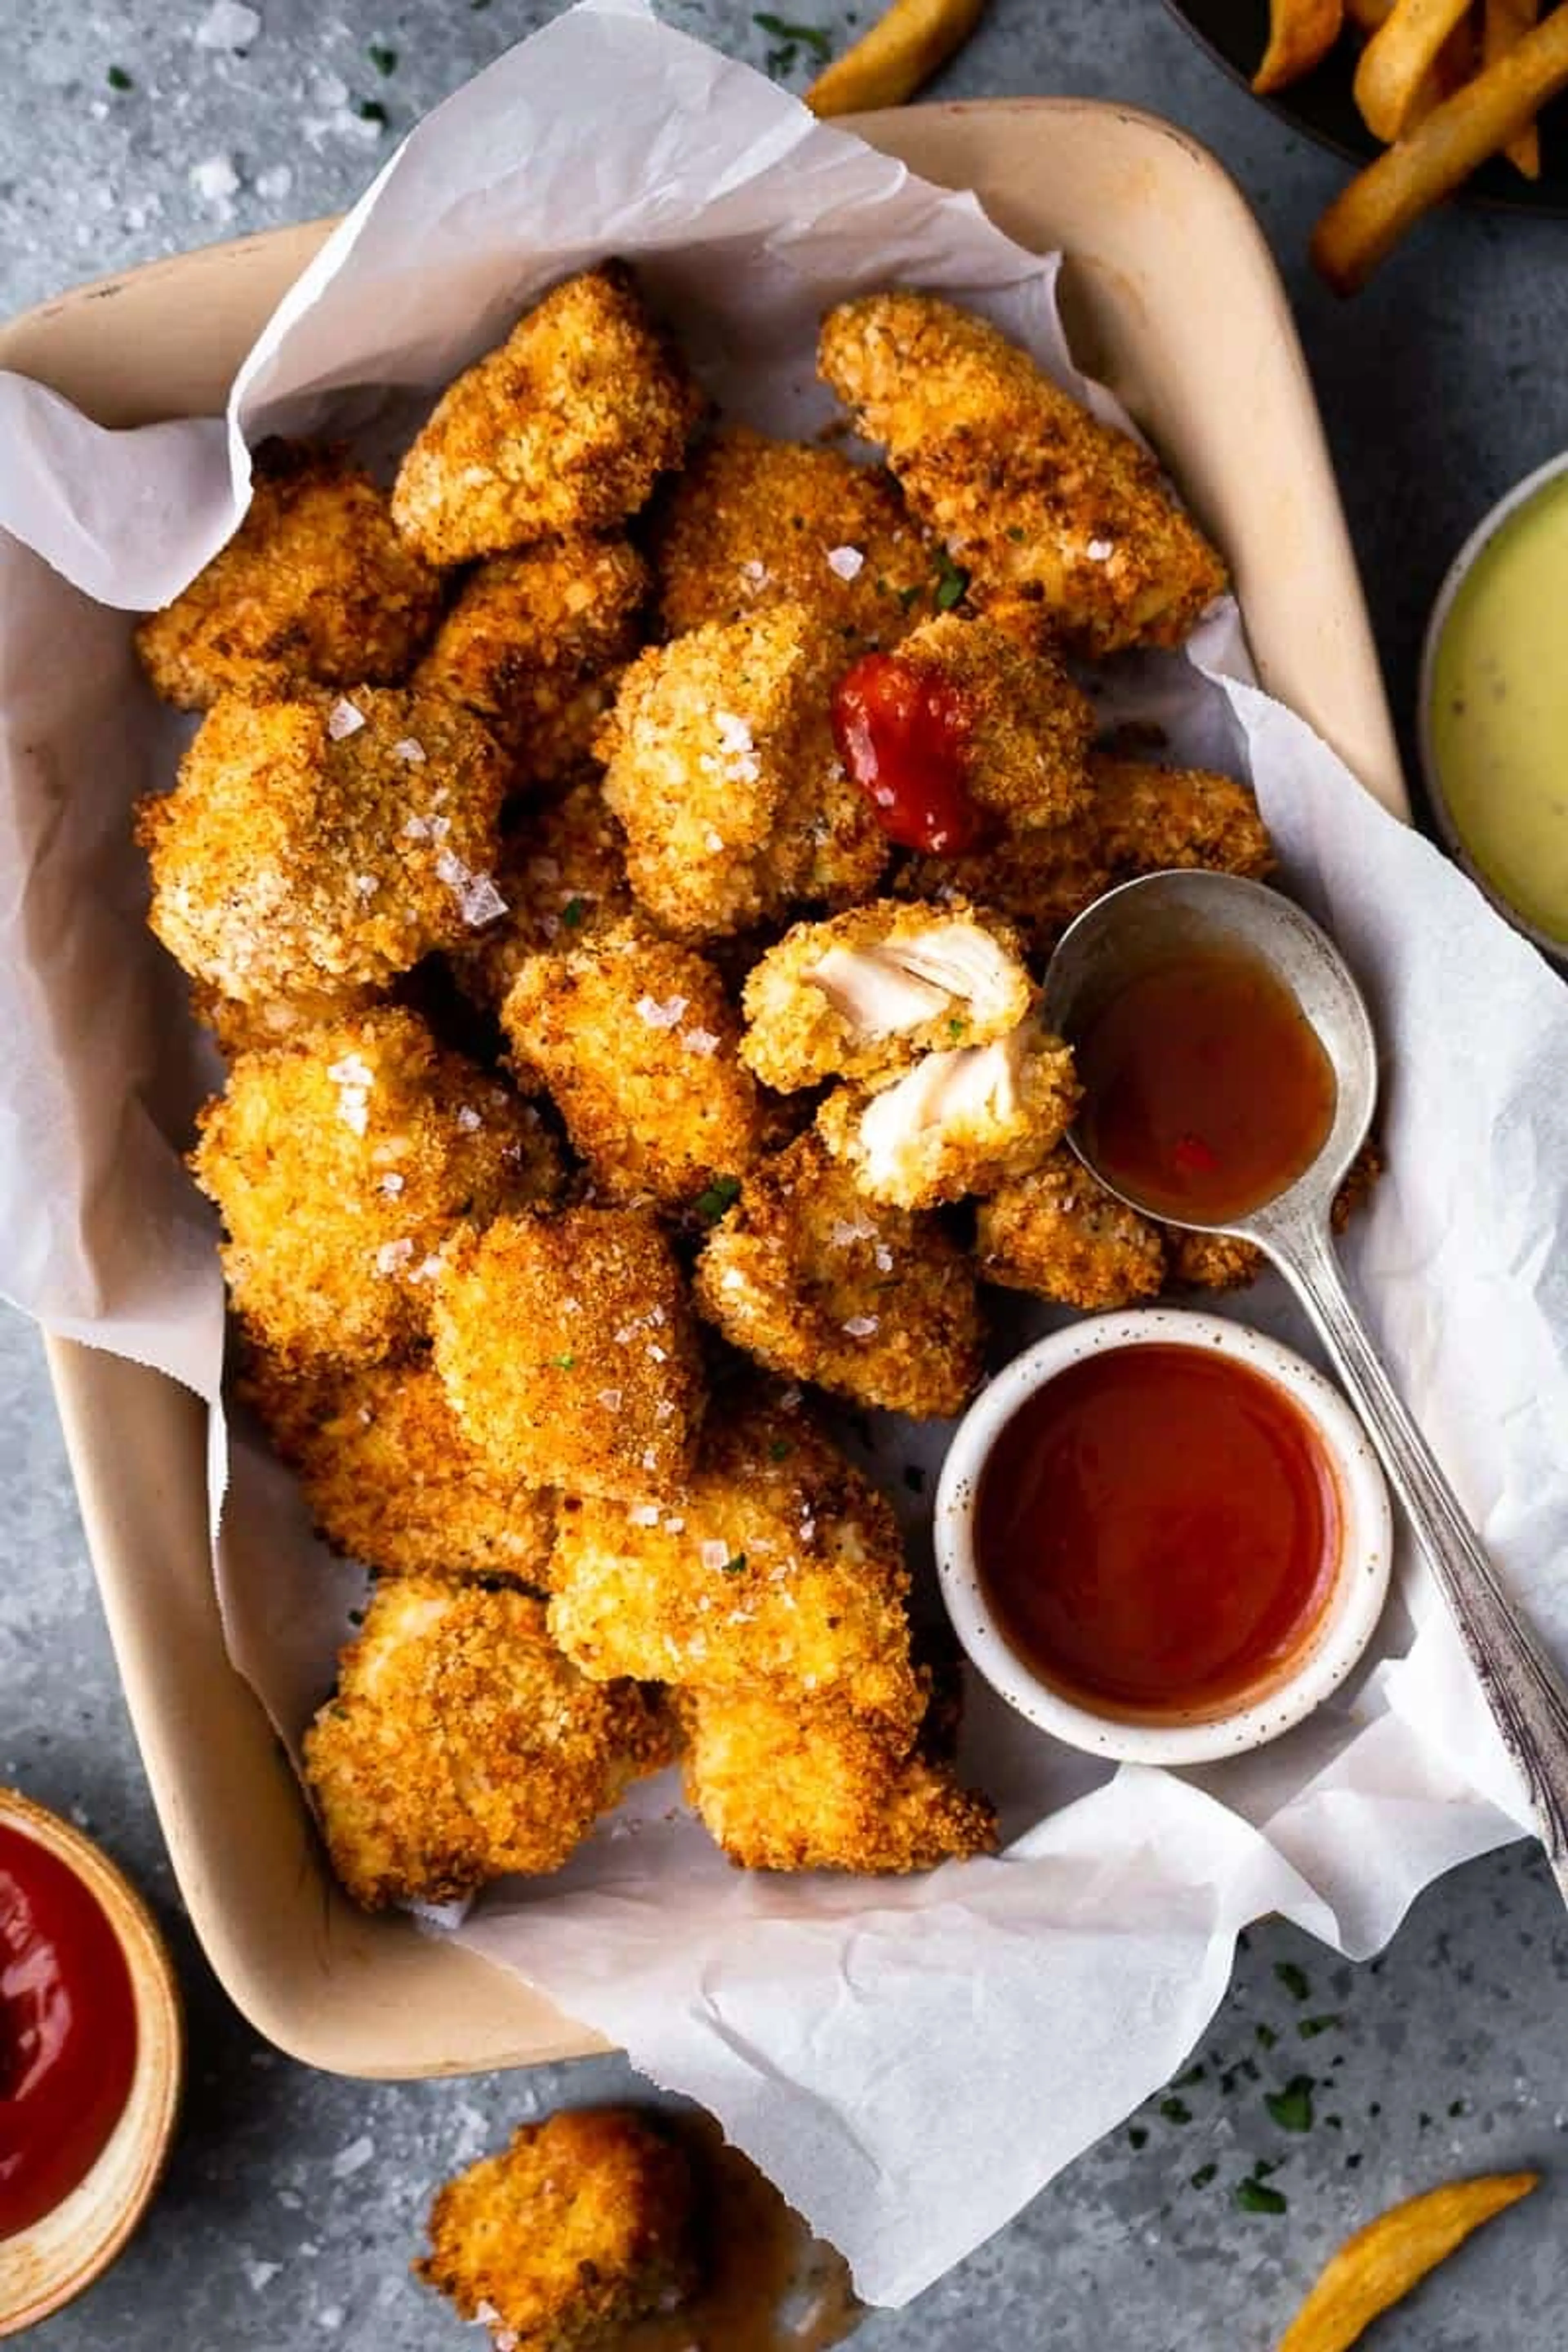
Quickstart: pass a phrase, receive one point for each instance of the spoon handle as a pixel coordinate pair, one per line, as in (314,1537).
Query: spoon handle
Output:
(1522,1687)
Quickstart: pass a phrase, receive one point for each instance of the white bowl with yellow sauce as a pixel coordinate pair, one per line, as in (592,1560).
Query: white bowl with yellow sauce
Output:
(1494,722)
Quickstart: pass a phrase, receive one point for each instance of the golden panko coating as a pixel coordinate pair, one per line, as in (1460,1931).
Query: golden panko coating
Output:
(390,1480)
(754,522)
(341,1166)
(958,1122)
(1044,506)
(777,1567)
(269,1021)
(460,1744)
(321,846)
(569,1352)
(1039,876)
(820,1283)
(1027,726)
(720,765)
(314,588)
(535,643)
(639,1044)
(565,427)
(1148,818)
(784,1784)
(581,2227)
(862,994)
(563,874)
(1202,1261)
(1059,1234)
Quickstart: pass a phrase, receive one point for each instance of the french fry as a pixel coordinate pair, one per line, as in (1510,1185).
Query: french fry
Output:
(1366,221)
(1504,24)
(1393,2254)
(1301,35)
(901,51)
(1398,58)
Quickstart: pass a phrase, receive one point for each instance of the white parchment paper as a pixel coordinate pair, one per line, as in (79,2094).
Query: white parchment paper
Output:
(909,2060)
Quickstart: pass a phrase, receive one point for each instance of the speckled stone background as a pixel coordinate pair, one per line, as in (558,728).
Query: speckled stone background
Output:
(140,127)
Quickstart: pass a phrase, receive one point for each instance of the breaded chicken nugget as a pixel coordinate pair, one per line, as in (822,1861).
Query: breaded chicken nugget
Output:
(1200,1261)
(272,1020)
(1148,818)
(820,1283)
(958,1122)
(318,847)
(460,1744)
(638,1045)
(1058,1234)
(720,764)
(569,1352)
(390,1480)
(341,1166)
(535,643)
(1044,506)
(786,1784)
(777,1568)
(862,994)
(580,2228)
(563,874)
(314,588)
(565,427)
(1039,876)
(1023,726)
(754,522)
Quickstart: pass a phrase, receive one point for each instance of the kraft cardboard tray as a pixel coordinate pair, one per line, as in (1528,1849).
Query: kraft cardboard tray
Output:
(1173,299)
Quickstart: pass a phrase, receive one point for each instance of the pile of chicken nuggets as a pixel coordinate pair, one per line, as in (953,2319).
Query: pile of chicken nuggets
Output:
(603,1079)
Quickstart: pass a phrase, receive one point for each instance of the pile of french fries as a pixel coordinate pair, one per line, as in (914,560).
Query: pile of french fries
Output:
(1445,83)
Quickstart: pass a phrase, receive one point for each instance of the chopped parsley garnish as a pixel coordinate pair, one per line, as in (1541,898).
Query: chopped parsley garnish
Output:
(1310,2027)
(735,1565)
(1016,532)
(1175,2111)
(118,79)
(1203,2176)
(907,596)
(1294,1979)
(1256,2196)
(1267,2036)
(957,1025)
(780,1450)
(384,60)
(573,912)
(1456,2106)
(1137,2137)
(721,1194)
(1185,2082)
(914,1478)
(1292,2108)
(563,1363)
(951,582)
(370,110)
(809,36)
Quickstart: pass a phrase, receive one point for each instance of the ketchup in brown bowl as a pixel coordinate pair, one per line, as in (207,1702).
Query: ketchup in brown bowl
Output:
(1158,1531)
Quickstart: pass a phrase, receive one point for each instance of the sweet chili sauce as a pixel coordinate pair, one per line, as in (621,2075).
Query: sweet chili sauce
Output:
(1157,1531)
(67,2031)
(903,734)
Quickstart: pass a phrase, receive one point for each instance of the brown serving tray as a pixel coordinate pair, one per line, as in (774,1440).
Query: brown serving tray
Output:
(1173,299)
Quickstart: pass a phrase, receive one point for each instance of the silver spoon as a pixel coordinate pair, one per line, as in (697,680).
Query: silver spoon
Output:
(1161,914)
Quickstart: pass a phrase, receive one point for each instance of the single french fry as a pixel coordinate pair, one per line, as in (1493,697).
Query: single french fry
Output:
(901,51)
(1397,59)
(1504,24)
(1366,221)
(1393,2254)
(1301,35)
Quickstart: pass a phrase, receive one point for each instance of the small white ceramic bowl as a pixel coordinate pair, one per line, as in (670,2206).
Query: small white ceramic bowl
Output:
(1348,1620)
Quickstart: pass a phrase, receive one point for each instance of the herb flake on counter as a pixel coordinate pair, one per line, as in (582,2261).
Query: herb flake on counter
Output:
(118,79)
(1194,2074)
(1294,1979)
(1292,2108)
(1175,2111)
(1203,2176)
(1255,2196)
(1267,2036)
(807,37)
(1310,2027)
(369,110)
(1137,2137)
(384,59)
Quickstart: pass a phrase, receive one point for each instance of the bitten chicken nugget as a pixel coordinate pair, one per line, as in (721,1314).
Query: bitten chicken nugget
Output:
(862,994)
(460,1744)
(786,1784)
(754,522)
(569,1352)
(639,1044)
(314,588)
(563,874)
(565,427)
(776,1568)
(341,1165)
(1058,1234)
(390,1480)
(535,643)
(1200,1261)
(720,765)
(1039,876)
(1148,818)
(1045,507)
(820,1283)
(581,2227)
(1023,726)
(958,1122)
(315,847)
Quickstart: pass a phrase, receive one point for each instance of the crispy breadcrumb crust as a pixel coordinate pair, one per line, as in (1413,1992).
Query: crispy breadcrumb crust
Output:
(1200,1261)
(1059,1234)
(569,1350)
(1030,728)
(1148,818)
(958,1122)
(562,873)
(1048,511)
(782,1784)
(872,1303)
(776,1567)
(581,2226)
(460,1744)
(320,846)
(341,1166)
(565,427)
(270,1022)
(1040,878)
(314,588)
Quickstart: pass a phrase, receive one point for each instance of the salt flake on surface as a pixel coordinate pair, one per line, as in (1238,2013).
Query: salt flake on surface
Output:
(477,894)
(468,1118)
(228,25)
(713,841)
(882,1258)
(847,563)
(353,2158)
(660,1016)
(417,828)
(700,1041)
(260,2275)
(610,1399)
(366,886)
(1100,550)
(755,575)
(644,1514)
(860,1326)
(344,717)
(391,1183)
(391,1255)
(216,180)
(407,750)
(713,1554)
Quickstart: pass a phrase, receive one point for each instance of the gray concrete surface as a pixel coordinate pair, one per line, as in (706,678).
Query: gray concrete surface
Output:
(295,2200)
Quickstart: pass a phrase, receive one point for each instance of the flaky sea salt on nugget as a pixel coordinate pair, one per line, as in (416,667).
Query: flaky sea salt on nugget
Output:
(1148,818)
(1058,1234)
(565,427)
(341,1166)
(569,1352)
(315,588)
(562,873)
(320,845)
(1051,512)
